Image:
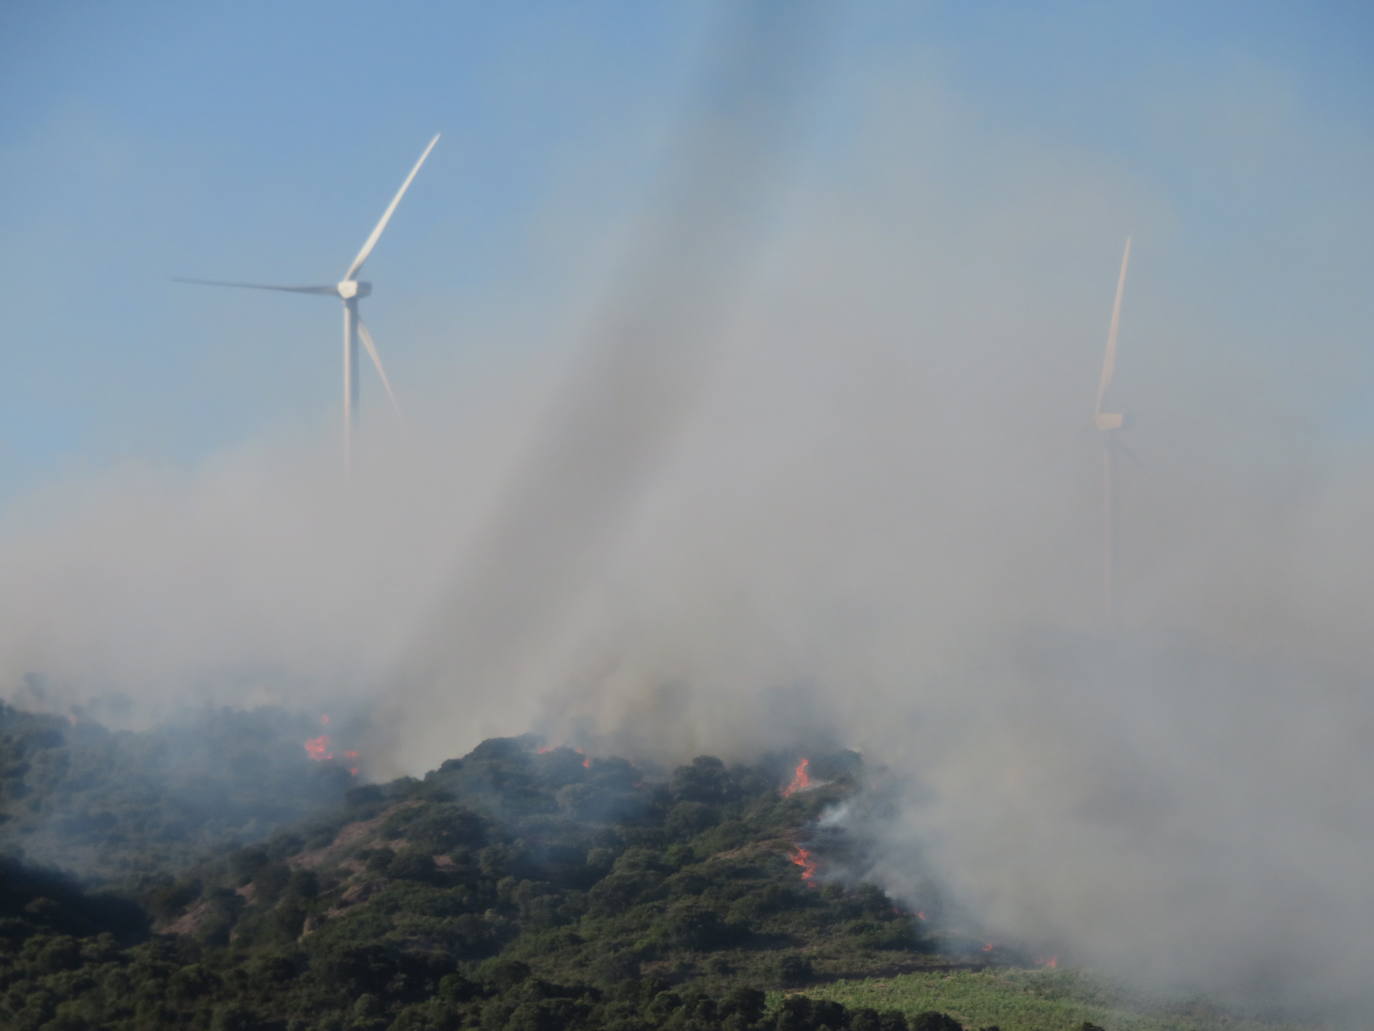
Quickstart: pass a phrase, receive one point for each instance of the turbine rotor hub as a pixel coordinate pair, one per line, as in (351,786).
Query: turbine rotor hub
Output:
(351,288)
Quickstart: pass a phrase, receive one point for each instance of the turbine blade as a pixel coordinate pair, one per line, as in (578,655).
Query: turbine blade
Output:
(386,215)
(261,286)
(371,346)
(1109,359)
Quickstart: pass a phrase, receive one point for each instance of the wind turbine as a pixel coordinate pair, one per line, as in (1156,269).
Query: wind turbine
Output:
(350,290)
(1110,423)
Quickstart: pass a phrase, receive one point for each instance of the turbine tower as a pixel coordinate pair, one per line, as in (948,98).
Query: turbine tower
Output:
(350,290)
(1110,423)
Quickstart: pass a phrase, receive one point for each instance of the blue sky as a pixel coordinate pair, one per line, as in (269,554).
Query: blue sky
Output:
(875,474)
(260,141)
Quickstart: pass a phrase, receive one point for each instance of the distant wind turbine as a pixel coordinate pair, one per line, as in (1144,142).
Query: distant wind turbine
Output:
(350,290)
(1110,423)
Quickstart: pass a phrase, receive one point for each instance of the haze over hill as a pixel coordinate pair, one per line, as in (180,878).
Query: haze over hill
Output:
(852,495)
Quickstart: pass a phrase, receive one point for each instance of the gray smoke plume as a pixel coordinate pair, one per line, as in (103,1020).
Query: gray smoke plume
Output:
(839,480)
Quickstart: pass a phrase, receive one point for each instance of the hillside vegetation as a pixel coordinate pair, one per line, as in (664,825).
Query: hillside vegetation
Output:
(1036,1000)
(113,806)
(519,887)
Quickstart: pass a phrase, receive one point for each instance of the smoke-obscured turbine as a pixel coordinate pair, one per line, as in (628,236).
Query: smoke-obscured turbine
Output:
(350,290)
(1110,423)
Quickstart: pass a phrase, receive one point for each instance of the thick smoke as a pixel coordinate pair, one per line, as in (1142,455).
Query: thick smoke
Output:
(850,489)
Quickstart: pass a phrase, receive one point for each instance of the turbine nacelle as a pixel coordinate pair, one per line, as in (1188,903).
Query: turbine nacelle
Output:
(1109,420)
(349,289)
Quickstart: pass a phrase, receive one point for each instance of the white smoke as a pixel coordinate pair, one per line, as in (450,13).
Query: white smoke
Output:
(862,501)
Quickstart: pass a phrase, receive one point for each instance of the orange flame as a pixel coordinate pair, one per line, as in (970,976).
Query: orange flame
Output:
(802,857)
(1051,963)
(801,780)
(921,915)
(320,749)
(988,946)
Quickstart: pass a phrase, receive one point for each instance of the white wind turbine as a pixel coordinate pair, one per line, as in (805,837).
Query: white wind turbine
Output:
(350,290)
(1110,423)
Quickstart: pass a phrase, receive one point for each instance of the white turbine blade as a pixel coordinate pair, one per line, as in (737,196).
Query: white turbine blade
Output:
(386,215)
(1109,359)
(371,346)
(262,286)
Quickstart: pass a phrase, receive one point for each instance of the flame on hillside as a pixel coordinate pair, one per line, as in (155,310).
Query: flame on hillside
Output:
(802,857)
(801,780)
(318,748)
(321,749)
